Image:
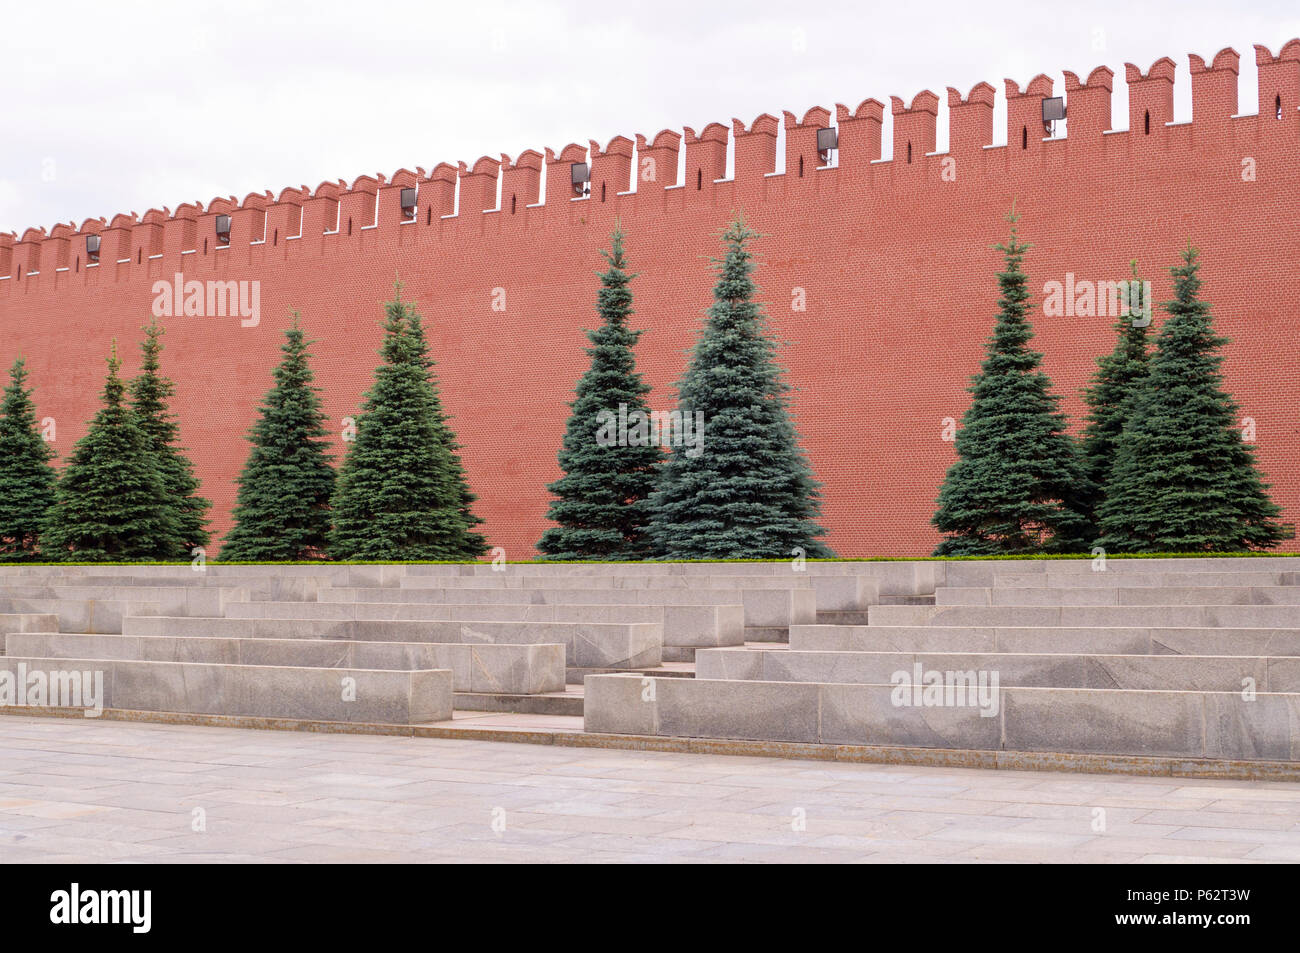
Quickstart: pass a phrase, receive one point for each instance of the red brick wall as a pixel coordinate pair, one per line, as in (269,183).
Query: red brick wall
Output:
(894,257)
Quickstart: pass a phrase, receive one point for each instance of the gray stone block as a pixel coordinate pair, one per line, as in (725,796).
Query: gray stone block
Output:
(1057,670)
(1283,675)
(28,622)
(706,626)
(502,669)
(173,600)
(1095,595)
(1175,672)
(1156,580)
(779,608)
(1155,723)
(1136,640)
(868,715)
(753,711)
(1242,616)
(763,607)
(620,704)
(121,647)
(1265,727)
(489,612)
(1167,724)
(80,615)
(199,688)
(845,593)
(516,670)
(897,638)
(588,644)
(729,664)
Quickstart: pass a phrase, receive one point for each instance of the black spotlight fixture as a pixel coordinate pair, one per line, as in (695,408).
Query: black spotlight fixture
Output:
(409,199)
(223,229)
(580,177)
(1053,110)
(827,141)
(92,249)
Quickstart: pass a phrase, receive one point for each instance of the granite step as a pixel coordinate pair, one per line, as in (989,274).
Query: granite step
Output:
(1096,640)
(350,695)
(1171,724)
(587,645)
(1055,670)
(499,668)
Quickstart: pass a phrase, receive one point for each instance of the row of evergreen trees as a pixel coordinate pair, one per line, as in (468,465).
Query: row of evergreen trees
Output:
(128,492)
(748,490)
(401,493)
(1160,467)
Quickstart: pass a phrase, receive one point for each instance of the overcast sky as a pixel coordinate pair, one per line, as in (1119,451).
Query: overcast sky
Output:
(121,106)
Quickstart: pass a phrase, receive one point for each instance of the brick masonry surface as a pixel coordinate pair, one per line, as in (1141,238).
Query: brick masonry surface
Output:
(893,257)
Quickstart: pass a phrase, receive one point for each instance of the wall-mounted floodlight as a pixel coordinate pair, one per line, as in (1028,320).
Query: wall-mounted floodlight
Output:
(92,249)
(580,176)
(223,229)
(1053,110)
(409,198)
(827,139)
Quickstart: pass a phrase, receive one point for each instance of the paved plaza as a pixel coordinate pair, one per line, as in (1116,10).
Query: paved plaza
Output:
(85,790)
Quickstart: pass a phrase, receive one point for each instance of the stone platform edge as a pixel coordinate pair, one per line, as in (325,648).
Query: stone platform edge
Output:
(1139,765)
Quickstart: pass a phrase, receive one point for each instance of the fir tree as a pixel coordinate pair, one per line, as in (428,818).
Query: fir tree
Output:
(150,395)
(602,501)
(1017,483)
(401,492)
(1183,479)
(282,511)
(745,489)
(1111,396)
(111,501)
(27,480)
(472,544)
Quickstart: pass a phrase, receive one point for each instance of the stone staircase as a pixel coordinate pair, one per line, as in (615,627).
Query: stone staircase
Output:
(280,642)
(1194,659)
(1161,658)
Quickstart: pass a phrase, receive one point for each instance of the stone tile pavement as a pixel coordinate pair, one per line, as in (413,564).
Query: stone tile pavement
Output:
(81,790)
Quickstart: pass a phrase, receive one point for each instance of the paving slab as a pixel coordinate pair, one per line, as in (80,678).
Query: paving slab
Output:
(552,816)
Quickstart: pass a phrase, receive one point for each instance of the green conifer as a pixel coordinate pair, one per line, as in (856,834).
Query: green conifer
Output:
(741,488)
(27,480)
(150,396)
(282,511)
(602,502)
(1017,484)
(401,492)
(1183,479)
(111,500)
(472,544)
(1113,392)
